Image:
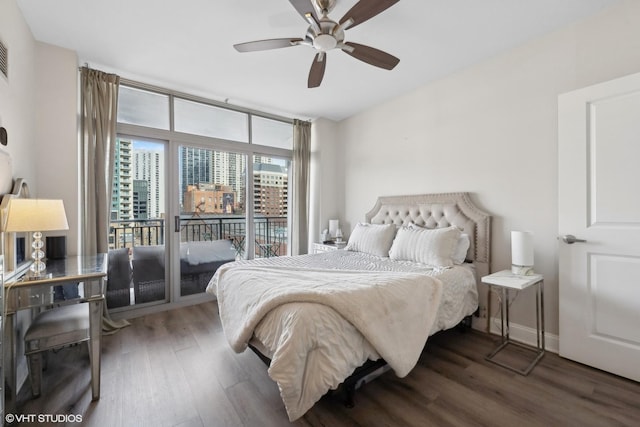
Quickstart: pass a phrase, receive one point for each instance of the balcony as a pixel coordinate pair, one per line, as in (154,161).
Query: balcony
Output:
(137,254)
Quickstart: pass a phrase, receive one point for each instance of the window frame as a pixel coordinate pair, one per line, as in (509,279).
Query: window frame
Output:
(174,140)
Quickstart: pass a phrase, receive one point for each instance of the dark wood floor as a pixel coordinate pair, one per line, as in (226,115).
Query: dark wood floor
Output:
(176,369)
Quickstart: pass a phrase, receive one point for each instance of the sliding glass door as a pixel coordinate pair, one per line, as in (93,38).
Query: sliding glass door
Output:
(218,194)
(217,201)
(212,190)
(137,256)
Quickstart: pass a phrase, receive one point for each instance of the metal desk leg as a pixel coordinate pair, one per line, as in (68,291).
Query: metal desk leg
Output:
(541,293)
(538,316)
(502,315)
(9,349)
(95,340)
(505,307)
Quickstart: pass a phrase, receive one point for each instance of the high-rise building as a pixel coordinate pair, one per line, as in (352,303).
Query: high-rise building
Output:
(206,166)
(122,197)
(140,199)
(229,169)
(148,165)
(133,166)
(196,166)
(270,189)
(217,177)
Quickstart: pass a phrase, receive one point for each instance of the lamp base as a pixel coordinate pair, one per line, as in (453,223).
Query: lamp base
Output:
(522,270)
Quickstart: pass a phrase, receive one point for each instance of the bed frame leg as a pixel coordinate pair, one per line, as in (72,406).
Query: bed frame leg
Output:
(465,324)
(350,396)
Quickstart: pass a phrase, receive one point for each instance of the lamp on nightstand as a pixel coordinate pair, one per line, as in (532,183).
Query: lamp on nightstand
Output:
(36,216)
(334,225)
(522,253)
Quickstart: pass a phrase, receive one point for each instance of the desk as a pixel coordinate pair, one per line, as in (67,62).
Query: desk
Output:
(90,271)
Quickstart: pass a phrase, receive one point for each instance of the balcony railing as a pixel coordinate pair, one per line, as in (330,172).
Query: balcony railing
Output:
(270,232)
(138,275)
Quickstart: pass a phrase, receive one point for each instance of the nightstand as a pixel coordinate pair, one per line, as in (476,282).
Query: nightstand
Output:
(505,280)
(327,247)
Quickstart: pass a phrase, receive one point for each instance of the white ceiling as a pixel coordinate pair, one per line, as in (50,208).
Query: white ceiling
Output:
(187,45)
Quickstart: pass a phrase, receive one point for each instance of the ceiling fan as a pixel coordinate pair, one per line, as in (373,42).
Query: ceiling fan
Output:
(324,35)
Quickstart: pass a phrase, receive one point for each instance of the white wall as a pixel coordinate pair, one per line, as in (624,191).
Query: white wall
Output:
(38,106)
(18,112)
(491,130)
(327,178)
(17,93)
(56,82)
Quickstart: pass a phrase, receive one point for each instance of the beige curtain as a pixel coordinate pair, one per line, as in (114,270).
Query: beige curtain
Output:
(99,100)
(300,198)
(98,126)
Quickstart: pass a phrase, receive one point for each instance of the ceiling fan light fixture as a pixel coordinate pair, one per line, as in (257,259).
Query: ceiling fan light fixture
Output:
(325,34)
(324,42)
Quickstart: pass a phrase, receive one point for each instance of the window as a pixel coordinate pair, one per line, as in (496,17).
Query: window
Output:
(224,188)
(272,133)
(206,120)
(142,107)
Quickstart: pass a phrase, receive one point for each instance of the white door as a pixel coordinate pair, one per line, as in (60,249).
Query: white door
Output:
(599,201)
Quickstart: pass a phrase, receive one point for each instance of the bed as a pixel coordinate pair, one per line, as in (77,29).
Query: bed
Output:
(405,274)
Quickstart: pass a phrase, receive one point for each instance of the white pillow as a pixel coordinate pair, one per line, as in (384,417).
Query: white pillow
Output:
(462,246)
(427,246)
(374,239)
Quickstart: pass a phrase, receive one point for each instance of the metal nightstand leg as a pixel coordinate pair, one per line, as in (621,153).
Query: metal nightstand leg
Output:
(539,349)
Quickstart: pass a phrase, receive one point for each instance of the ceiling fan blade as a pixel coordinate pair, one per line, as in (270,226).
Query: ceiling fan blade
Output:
(365,10)
(303,7)
(371,55)
(266,44)
(317,70)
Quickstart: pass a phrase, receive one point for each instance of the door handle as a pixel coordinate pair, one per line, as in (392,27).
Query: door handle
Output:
(177,223)
(571,239)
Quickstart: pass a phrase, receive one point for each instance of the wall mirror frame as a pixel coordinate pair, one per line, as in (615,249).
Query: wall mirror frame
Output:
(14,246)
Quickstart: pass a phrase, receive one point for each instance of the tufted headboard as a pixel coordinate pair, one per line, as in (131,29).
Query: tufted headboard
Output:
(436,211)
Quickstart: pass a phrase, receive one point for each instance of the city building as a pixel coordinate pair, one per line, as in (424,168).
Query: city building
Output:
(121,208)
(270,189)
(209,198)
(140,199)
(148,166)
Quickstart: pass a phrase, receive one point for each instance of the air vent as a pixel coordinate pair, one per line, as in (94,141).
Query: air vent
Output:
(4,60)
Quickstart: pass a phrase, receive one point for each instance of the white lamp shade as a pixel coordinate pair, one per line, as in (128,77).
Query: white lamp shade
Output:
(334,225)
(522,248)
(35,215)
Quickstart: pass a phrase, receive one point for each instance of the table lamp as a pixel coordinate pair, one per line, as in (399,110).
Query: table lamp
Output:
(334,224)
(522,253)
(36,216)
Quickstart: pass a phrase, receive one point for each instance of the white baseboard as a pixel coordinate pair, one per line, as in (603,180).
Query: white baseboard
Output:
(523,334)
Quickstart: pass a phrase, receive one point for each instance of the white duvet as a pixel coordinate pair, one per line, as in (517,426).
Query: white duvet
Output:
(318,317)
